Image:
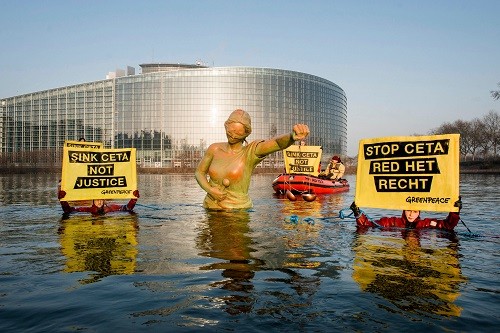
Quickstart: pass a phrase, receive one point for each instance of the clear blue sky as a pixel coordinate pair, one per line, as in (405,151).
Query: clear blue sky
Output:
(406,66)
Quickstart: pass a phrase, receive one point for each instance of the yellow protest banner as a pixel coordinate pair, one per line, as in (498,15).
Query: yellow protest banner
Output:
(302,159)
(409,172)
(98,173)
(83,144)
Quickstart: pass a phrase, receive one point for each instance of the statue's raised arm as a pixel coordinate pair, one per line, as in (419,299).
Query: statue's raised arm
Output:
(299,132)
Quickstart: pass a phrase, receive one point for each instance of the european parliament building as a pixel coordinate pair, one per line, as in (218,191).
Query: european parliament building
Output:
(171,113)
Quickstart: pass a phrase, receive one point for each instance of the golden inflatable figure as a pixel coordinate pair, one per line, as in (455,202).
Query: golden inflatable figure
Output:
(229,165)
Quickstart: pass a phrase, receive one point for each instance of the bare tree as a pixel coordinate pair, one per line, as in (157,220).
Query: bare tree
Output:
(467,138)
(479,138)
(476,136)
(491,122)
(458,127)
(496,93)
(470,135)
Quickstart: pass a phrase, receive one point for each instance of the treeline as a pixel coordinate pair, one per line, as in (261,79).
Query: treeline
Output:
(479,137)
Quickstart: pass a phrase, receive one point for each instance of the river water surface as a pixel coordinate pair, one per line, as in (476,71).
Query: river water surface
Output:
(283,266)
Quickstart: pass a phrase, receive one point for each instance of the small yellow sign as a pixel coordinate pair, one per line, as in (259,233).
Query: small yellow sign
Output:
(302,159)
(409,172)
(89,173)
(83,144)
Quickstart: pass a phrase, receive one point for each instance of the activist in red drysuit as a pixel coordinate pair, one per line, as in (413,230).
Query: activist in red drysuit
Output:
(410,219)
(99,207)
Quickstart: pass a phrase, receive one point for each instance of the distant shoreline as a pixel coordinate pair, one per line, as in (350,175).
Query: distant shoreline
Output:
(480,171)
(480,167)
(350,170)
(467,167)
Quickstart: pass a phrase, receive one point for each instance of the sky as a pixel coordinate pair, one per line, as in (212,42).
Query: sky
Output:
(406,67)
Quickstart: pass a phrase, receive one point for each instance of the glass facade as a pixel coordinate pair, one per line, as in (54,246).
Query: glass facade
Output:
(172,116)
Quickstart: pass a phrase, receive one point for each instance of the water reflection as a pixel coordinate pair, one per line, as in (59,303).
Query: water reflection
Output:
(302,225)
(415,278)
(105,245)
(227,236)
(37,189)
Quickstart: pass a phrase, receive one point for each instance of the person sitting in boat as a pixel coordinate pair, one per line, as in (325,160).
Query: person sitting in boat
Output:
(99,206)
(410,219)
(334,170)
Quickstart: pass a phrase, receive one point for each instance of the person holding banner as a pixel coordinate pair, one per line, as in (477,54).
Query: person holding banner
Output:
(410,219)
(335,169)
(99,206)
(229,165)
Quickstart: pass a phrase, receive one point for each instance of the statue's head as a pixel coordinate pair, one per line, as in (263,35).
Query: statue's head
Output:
(242,117)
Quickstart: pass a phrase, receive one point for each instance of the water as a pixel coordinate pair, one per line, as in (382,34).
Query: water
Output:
(173,267)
